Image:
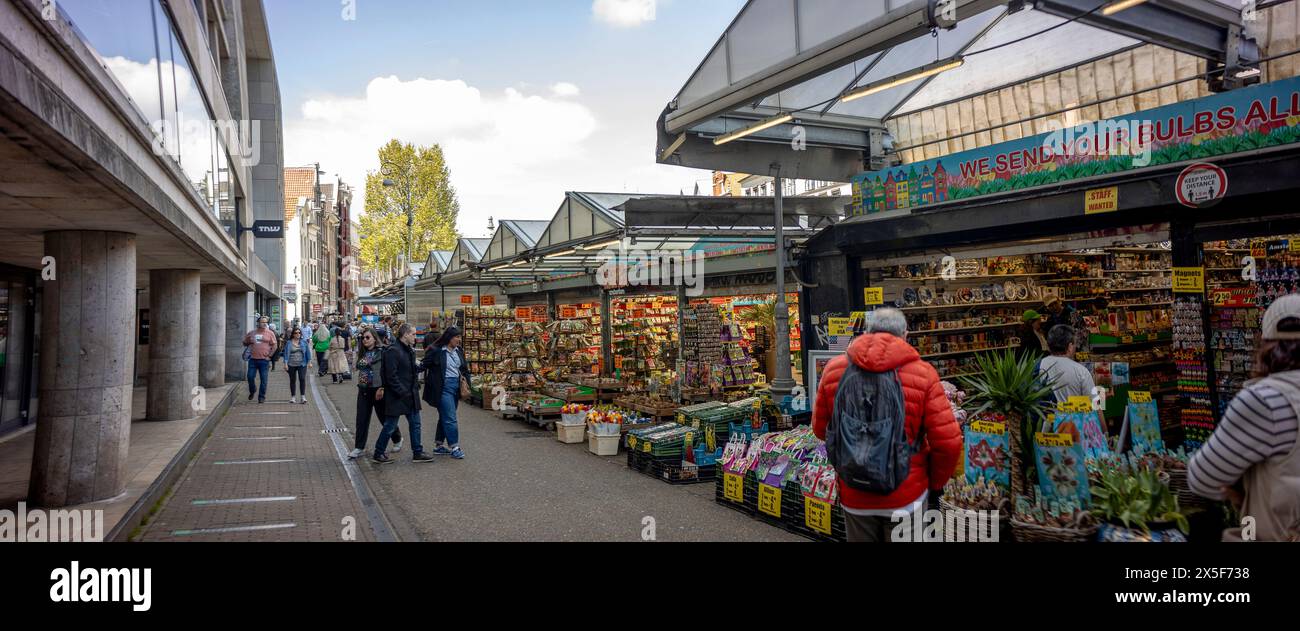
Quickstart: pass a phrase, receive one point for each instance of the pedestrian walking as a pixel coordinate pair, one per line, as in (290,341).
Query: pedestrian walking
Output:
(260,344)
(882,378)
(401,396)
(370,391)
(320,341)
(337,357)
(1253,457)
(297,357)
(431,337)
(446,382)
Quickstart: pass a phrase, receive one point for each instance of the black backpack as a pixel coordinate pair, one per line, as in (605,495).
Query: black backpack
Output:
(866,439)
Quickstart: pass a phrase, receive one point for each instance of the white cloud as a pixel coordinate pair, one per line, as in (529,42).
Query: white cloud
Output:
(565,89)
(624,13)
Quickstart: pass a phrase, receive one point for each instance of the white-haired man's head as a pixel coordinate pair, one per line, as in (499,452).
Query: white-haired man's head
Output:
(889,320)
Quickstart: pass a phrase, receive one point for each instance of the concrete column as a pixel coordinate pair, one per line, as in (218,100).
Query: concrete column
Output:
(16,354)
(173,343)
(212,336)
(238,321)
(87,363)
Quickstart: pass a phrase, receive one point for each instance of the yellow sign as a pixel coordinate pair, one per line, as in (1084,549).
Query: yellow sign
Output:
(817,515)
(769,500)
(631,442)
(733,488)
(1293,246)
(1078,404)
(839,326)
(1189,280)
(874,296)
(1138,396)
(988,427)
(681,418)
(1054,440)
(858,315)
(645,446)
(1101,200)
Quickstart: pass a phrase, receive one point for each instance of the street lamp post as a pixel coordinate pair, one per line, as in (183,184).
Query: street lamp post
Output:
(410,243)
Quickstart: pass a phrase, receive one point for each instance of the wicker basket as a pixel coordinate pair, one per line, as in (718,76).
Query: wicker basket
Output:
(1023,531)
(950,536)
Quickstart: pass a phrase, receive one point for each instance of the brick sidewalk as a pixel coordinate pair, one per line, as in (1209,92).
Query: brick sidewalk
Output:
(268,472)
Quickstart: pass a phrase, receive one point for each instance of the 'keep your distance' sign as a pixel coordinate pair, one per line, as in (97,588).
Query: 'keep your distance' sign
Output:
(1201,185)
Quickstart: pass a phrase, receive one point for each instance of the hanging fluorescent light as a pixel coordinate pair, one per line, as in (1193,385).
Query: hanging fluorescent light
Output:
(1120,5)
(557,254)
(1248,73)
(900,79)
(753,129)
(600,246)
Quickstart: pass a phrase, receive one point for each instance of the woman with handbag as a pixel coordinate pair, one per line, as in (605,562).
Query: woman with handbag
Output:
(446,382)
(370,391)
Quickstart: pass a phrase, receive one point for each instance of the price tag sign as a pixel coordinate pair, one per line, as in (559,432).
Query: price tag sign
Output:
(568,313)
(1138,396)
(487,301)
(1054,440)
(681,418)
(769,500)
(874,296)
(646,446)
(988,427)
(466,299)
(631,442)
(733,488)
(695,424)
(817,515)
(1127,339)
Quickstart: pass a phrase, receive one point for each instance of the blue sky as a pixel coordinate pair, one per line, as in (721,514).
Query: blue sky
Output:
(516,140)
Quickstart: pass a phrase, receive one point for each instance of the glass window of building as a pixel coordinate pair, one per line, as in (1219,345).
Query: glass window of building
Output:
(121,34)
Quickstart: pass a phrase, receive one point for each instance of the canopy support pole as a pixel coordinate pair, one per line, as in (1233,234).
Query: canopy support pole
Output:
(782,384)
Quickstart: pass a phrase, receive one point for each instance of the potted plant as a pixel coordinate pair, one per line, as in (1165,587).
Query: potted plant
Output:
(1138,506)
(1007,382)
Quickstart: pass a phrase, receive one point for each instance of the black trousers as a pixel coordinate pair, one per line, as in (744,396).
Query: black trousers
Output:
(366,405)
(320,361)
(297,380)
(866,529)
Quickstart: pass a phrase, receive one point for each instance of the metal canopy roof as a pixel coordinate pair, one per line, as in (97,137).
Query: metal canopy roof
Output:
(801,57)
(685,216)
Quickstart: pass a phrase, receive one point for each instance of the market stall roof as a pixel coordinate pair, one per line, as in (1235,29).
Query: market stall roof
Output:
(840,69)
(436,263)
(667,215)
(467,253)
(582,216)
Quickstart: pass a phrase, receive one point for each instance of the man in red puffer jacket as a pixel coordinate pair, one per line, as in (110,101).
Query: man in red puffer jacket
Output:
(868,516)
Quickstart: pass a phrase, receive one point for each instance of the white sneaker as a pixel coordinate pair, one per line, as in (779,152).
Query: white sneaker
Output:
(293,399)
(356,453)
(397,447)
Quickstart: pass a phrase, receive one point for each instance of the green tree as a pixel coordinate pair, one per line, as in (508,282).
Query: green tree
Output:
(421,182)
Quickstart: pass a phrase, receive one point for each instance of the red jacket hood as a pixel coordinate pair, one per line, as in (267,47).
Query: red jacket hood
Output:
(881,352)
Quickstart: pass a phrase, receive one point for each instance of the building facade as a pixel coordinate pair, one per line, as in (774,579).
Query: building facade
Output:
(137,138)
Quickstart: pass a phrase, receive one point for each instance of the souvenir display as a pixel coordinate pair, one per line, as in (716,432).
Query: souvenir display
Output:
(484,344)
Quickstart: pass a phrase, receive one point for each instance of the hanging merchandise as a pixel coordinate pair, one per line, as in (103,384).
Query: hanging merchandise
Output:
(1197,414)
(571,351)
(644,339)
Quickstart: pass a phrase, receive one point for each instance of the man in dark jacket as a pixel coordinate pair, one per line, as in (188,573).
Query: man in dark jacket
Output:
(401,396)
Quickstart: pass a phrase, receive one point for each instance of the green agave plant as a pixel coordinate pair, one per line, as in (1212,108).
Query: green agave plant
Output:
(1007,382)
(1136,500)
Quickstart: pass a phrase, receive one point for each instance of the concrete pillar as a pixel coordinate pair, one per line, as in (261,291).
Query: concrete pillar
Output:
(173,343)
(87,363)
(16,354)
(238,321)
(212,336)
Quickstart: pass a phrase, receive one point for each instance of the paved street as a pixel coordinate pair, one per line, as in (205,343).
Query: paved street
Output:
(518,483)
(268,473)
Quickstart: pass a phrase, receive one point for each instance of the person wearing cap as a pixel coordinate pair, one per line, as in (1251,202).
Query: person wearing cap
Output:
(1058,313)
(1253,457)
(1031,331)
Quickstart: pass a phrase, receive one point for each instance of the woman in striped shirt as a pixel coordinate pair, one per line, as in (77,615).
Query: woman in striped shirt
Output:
(1253,458)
